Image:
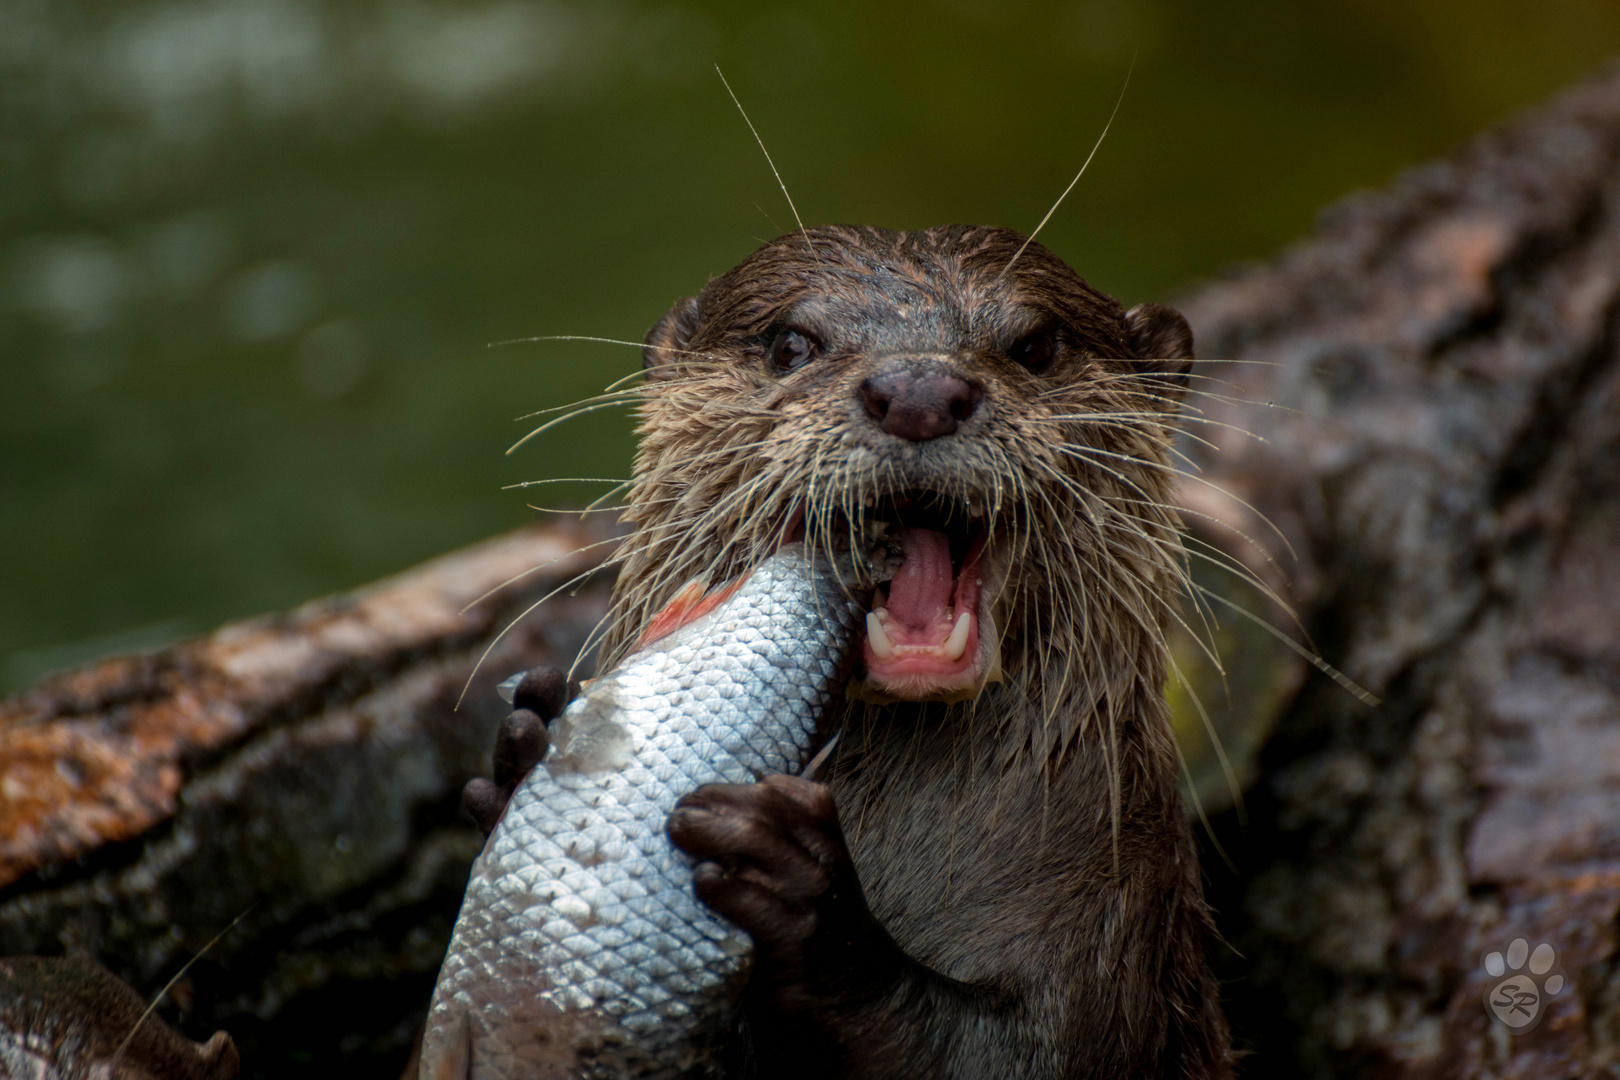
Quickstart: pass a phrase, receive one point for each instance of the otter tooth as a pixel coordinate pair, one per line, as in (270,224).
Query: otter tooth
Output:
(956,645)
(875,635)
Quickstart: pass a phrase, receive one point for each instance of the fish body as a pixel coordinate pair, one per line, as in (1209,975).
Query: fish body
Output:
(580,949)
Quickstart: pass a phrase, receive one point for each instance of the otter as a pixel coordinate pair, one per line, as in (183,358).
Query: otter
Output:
(64,1017)
(994,876)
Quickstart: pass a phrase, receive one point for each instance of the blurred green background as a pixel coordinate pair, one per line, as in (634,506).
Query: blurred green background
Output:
(253,252)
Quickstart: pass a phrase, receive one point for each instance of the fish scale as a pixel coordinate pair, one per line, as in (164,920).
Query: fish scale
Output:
(580,949)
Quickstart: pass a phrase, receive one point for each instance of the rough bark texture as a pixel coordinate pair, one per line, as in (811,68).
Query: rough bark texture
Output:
(1442,453)
(1436,377)
(302,769)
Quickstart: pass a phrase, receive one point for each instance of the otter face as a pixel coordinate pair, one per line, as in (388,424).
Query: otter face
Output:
(998,423)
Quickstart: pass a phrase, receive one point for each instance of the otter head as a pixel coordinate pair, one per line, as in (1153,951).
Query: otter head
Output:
(1000,424)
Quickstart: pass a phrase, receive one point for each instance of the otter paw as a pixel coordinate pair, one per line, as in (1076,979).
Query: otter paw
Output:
(538,696)
(772,859)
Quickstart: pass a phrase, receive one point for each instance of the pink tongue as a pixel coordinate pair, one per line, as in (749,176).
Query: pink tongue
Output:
(921,592)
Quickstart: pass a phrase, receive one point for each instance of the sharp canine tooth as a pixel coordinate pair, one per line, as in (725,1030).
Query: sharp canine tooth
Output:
(880,640)
(957,643)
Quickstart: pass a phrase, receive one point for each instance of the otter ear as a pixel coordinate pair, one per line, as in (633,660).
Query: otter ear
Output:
(1163,344)
(667,340)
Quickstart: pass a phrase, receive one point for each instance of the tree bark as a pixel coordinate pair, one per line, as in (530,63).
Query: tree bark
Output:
(1436,381)
(301,771)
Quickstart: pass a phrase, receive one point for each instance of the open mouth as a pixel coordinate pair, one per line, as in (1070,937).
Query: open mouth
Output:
(928,634)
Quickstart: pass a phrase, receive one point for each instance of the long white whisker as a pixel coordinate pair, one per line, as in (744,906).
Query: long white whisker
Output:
(1361,694)
(802,230)
(1086,164)
(549,424)
(716,357)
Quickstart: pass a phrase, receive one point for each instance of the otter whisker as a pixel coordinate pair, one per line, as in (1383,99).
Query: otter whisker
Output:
(1207,647)
(577,579)
(1150,415)
(111,1068)
(602,500)
(592,639)
(1360,693)
(616,397)
(1083,167)
(718,453)
(1177,571)
(719,360)
(1077,450)
(548,425)
(1230,773)
(567,480)
(1198,807)
(515,578)
(573,511)
(1133,383)
(1116,422)
(805,233)
(1187,511)
(1221,561)
(1170,401)
(630,551)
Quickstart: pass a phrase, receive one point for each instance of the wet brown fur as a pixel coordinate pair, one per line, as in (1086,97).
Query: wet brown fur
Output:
(76,1019)
(1028,844)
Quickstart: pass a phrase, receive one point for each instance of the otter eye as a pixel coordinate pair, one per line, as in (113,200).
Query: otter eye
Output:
(793,349)
(1035,351)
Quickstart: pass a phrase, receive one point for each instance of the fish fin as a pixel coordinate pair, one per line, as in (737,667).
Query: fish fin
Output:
(691,603)
(812,771)
(456,1061)
(674,614)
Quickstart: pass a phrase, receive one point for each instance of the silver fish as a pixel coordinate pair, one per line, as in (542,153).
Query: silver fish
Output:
(580,950)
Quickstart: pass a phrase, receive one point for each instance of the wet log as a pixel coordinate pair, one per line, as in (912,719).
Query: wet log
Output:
(299,773)
(1436,381)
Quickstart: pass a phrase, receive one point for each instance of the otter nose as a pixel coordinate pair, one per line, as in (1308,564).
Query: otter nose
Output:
(919,405)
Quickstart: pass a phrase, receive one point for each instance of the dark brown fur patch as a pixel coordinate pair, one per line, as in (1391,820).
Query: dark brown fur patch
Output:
(1028,842)
(79,1019)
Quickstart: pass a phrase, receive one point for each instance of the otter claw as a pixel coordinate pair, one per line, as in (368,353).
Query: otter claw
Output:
(539,696)
(541,690)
